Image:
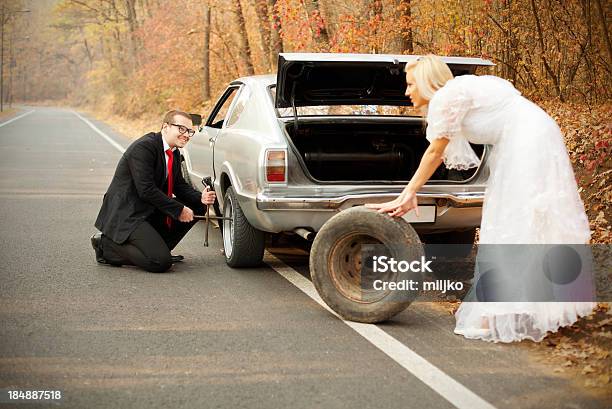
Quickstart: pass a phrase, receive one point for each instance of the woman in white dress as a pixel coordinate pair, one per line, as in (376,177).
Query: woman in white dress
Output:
(531,195)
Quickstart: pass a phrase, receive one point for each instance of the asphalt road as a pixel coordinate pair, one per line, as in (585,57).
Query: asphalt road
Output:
(205,335)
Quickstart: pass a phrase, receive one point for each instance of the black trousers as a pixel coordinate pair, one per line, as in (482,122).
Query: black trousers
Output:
(149,246)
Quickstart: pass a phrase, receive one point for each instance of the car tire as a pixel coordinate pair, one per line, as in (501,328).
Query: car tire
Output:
(336,264)
(244,245)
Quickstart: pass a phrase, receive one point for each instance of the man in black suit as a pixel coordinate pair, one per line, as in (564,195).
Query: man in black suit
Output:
(149,207)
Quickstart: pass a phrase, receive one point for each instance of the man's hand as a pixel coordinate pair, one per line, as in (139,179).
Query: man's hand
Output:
(186,215)
(208,196)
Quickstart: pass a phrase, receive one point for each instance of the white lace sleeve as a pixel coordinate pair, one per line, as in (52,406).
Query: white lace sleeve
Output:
(447,109)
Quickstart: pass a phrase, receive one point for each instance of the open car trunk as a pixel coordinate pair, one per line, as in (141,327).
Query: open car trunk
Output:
(377,151)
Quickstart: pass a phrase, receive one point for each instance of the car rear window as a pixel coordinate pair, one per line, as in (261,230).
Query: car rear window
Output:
(344,110)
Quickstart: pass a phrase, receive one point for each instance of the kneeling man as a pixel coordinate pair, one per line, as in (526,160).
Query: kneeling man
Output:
(149,207)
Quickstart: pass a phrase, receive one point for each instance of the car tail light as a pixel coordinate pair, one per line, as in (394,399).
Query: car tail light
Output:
(276,166)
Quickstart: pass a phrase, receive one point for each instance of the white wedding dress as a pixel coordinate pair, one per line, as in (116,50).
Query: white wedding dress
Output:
(531,195)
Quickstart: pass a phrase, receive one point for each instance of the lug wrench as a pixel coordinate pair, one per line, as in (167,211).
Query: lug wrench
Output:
(208,217)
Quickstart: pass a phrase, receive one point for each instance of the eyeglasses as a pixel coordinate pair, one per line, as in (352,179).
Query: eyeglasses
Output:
(183,129)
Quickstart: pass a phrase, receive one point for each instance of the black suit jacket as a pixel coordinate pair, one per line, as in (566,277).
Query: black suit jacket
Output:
(139,188)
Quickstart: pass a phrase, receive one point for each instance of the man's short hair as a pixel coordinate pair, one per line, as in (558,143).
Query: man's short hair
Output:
(169,117)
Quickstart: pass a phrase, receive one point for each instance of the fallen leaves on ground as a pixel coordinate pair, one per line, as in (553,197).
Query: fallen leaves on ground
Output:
(587,131)
(582,350)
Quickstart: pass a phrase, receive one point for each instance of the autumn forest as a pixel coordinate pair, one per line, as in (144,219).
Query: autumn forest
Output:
(139,58)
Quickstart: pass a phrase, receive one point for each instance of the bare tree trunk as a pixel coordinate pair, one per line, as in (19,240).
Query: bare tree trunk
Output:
(87,49)
(276,44)
(512,47)
(328,9)
(244,49)
(120,55)
(584,44)
(604,27)
(320,33)
(405,15)
(228,56)
(146,7)
(375,11)
(206,54)
(130,6)
(399,11)
(543,50)
(503,47)
(106,52)
(261,8)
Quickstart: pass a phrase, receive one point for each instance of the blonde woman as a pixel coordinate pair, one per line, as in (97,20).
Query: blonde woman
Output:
(531,196)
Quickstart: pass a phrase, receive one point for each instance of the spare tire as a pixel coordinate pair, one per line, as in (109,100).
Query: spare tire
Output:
(346,283)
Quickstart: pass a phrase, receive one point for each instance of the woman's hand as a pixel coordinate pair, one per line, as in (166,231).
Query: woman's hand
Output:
(377,206)
(407,200)
(398,207)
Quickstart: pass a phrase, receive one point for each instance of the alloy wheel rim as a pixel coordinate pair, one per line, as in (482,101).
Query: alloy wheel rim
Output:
(228,227)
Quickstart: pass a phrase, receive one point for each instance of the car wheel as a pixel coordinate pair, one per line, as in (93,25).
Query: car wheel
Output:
(243,244)
(341,264)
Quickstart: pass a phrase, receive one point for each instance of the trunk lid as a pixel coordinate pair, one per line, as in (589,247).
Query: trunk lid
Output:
(313,79)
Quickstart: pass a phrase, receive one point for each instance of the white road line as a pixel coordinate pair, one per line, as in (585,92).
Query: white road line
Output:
(16,118)
(451,390)
(99,132)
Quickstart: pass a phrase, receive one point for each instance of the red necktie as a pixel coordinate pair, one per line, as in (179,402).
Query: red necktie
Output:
(170,158)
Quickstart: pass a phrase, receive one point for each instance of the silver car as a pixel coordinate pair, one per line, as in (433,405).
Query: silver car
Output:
(287,152)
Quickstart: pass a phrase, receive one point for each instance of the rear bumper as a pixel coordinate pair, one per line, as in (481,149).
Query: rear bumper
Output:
(277,214)
(264,202)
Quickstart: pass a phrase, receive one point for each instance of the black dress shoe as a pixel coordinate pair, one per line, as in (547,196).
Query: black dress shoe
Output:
(177,258)
(95,243)
(96,239)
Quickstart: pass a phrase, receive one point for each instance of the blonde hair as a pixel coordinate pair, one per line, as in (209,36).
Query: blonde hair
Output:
(430,74)
(170,115)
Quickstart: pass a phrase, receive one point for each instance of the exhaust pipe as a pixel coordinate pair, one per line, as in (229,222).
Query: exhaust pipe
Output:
(304,233)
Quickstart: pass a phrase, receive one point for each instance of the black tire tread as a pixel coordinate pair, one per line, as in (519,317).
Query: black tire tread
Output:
(249,242)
